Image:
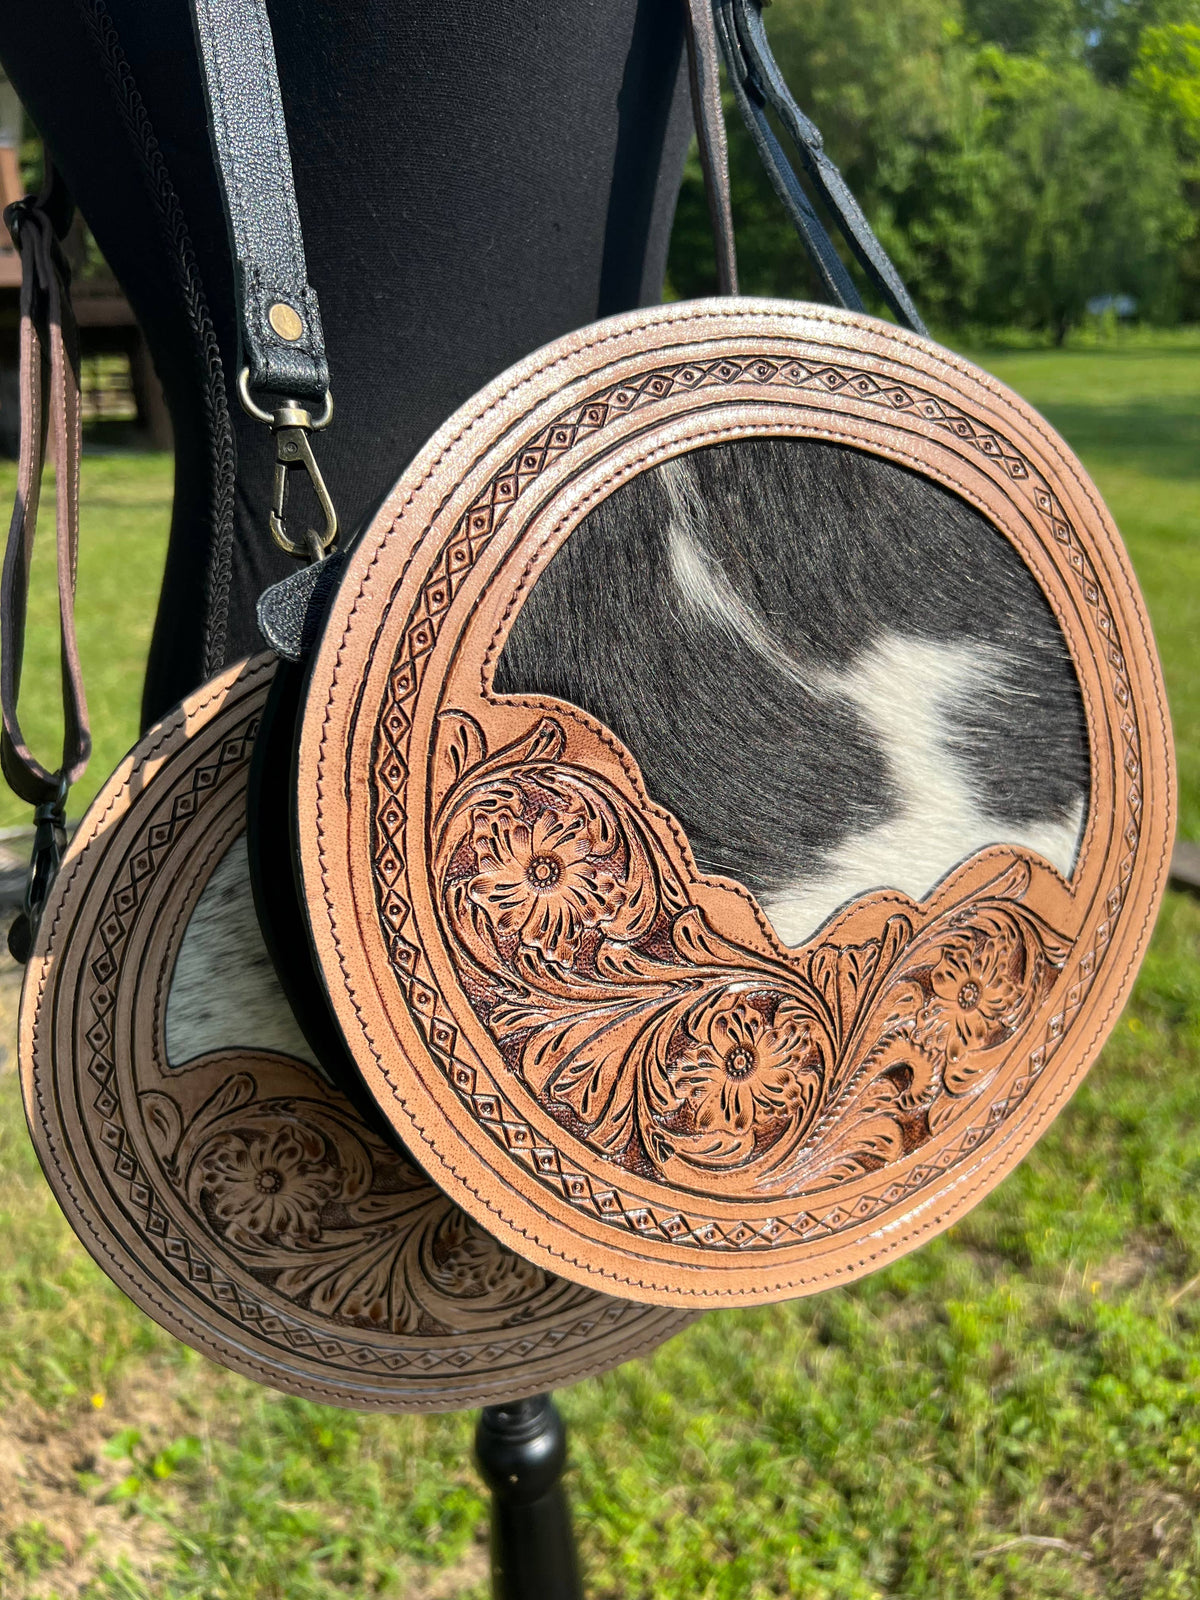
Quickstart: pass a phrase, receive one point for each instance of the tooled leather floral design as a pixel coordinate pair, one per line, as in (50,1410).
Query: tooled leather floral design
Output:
(739,1070)
(977,989)
(539,880)
(465,1262)
(676,1053)
(273,1186)
(312,1202)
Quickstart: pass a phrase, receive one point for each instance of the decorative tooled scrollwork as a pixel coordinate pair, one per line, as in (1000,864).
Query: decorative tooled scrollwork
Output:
(676,1053)
(313,1203)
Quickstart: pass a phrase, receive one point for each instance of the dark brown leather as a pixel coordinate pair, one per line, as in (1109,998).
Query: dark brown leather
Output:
(705,74)
(48,338)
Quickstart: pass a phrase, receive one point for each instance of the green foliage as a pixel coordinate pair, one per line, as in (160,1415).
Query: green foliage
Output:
(125,514)
(1016,157)
(148,1466)
(890,88)
(1082,198)
(1026,27)
(32,1548)
(1167,79)
(1112,31)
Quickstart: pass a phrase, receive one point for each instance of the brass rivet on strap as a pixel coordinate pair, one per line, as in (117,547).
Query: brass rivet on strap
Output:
(286,321)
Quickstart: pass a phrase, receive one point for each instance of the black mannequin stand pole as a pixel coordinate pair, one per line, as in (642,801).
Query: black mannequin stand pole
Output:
(521,1449)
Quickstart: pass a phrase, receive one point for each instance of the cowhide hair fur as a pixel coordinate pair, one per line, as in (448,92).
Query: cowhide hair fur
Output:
(836,674)
(224,994)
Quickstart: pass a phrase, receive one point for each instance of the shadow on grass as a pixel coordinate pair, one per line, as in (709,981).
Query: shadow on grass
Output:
(1160,439)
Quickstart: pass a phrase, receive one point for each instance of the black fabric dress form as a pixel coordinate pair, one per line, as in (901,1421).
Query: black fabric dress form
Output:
(473,180)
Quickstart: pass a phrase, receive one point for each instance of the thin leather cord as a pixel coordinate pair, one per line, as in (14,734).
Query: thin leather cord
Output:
(831,270)
(830,184)
(758,84)
(704,72)
(222,456)
(47,334)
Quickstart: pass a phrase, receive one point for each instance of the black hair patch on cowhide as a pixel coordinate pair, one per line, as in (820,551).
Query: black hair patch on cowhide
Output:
(835,673)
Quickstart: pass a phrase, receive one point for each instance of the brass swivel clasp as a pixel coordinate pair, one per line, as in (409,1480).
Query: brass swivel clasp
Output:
(291,423)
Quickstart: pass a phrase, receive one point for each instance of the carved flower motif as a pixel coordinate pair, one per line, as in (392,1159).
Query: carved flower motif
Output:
(468,1264)
(977,992)
(273,1186)
(537,881)
(742,1069)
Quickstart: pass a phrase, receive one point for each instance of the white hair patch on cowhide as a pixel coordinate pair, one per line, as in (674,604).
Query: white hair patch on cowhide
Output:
(906,691)
(224,993)
(835,673)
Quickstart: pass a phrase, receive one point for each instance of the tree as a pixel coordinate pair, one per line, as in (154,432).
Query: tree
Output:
(1113,31)
(1028,27)
(1084,197)
(1007,182)
(1166,79)
(890,87)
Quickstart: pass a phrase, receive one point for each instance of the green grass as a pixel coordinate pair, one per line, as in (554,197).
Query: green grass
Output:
(1011,1412)
(125,508)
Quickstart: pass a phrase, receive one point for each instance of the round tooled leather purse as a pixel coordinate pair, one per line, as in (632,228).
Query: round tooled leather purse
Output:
(731,794)
(623,1062)
(223,1170)
(586,690)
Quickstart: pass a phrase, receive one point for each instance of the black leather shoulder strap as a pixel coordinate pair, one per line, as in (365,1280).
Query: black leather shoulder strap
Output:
(282,342)
(279,321)
(759,86)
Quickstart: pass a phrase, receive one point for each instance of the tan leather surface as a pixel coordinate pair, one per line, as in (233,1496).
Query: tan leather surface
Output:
(235,1196)
(519,1055)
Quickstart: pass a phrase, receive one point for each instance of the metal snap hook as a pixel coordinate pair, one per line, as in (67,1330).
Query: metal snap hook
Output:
(49,844)
(292,449)
(260,414)
(291,423)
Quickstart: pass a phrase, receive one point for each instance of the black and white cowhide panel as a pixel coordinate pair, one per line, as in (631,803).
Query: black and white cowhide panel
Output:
(837,675)
(224,994)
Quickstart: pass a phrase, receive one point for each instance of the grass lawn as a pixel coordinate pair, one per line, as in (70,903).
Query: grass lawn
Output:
(1013,1411)
(124,513)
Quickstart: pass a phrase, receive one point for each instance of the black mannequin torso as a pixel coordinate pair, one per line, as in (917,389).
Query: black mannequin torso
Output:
(472,181)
